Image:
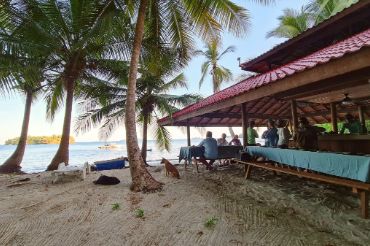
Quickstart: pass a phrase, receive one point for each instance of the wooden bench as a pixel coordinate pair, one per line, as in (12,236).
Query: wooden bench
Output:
(358,187)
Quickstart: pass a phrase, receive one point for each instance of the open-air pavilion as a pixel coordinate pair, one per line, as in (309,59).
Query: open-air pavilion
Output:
(322,74)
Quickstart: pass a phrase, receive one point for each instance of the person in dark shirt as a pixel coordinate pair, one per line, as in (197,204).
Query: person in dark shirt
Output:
(306,137)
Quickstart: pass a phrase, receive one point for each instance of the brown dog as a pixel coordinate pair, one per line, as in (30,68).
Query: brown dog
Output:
(170,168)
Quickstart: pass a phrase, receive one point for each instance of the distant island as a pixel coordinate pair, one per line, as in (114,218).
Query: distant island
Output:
(54,139)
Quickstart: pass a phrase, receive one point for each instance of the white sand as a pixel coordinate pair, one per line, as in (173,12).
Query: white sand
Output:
(266,210)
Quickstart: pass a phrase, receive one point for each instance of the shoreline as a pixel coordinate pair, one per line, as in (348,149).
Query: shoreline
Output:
(265,210)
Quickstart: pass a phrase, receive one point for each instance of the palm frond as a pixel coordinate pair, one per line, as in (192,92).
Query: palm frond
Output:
(204,71)
(54,99)
(163,138)
(227,50)
(178,82)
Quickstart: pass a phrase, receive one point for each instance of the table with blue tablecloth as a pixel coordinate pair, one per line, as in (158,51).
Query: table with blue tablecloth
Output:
(341,165)
(187,153)
(224,152)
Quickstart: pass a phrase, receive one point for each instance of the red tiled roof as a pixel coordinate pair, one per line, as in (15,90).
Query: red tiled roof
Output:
(322,56)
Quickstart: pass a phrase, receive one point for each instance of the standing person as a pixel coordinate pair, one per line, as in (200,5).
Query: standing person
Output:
(353,125)
(271,134)
(222,141)
(251,134)
(235,141)
(306,137)
(284,134)
(210,150)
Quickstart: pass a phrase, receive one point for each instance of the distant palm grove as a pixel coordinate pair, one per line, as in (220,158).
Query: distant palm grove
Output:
(54,139)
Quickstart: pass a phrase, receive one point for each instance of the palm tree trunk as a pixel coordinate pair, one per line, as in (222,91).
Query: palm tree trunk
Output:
(13,163)
(232,134)
(62,154)
(141,178)
(145,137)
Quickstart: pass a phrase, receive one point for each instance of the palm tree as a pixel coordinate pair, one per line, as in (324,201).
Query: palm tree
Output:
(101,104)
(20,72)
(211,66)
(175,22)
(29,89)
(324,9)
(292,23)
(76,35)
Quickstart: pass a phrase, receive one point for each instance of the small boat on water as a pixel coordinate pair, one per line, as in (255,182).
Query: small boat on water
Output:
(108,146)
(149,150)
(117,163)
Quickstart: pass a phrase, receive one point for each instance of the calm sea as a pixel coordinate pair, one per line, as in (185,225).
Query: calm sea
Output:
(37,157)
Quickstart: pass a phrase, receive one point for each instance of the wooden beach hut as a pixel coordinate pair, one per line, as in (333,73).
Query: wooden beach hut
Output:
(321,74)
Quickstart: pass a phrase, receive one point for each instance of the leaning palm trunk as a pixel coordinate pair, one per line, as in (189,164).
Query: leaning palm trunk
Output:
(232,133)
(141,178)
(62,154)
(145,137)
(13,163)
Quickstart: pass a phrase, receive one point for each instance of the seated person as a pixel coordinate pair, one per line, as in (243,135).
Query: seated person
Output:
(235,141)
(251,134)
(222,141)
(270,135)
(306,137)
(283,133)
(353,125)
(210,150)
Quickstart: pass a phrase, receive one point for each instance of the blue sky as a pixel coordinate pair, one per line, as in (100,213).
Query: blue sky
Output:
(263,19)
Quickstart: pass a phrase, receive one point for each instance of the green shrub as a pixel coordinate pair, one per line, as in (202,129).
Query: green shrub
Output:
(211,222)
(139,213)
(115,206)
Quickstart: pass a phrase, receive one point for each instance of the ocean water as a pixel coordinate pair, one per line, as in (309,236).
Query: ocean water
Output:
(38,157)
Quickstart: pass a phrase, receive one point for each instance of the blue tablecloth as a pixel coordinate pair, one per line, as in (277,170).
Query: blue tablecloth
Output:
(187,153)
(347,166)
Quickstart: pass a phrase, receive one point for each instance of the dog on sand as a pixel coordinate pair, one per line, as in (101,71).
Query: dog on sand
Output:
(170,169)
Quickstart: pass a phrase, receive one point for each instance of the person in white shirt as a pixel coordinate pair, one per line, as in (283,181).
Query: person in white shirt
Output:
(284,134)
(222,141)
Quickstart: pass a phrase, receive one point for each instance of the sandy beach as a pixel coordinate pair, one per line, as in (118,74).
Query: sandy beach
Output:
(265,210)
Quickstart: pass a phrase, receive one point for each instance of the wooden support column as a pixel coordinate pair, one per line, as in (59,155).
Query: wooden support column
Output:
(293,104)
(364,203)
(361,116)
(334,118)
(244,124)
(188,135)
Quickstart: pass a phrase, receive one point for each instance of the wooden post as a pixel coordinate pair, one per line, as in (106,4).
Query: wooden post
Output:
(334,119)
(247,171)
(188,135)
(364,203)
(293,104)
(361,116)
(244,124)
